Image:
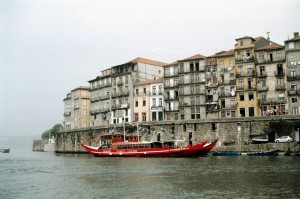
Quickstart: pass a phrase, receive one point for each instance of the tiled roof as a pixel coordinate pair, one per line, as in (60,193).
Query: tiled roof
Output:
(225,53)
(82,88)
(194,57)
(245,37)
(173,63)
(147,61)
(272,46)
(293,39)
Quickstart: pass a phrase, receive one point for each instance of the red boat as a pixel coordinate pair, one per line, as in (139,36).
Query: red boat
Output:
(114,146)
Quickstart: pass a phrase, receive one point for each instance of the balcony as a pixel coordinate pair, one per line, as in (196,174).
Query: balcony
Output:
(293,77)
(226,94)
(242,58)
(262,88)
(262,74)
(227,82)
(167,97)
(251,87)
(228,106)
(240,88)
(170,85)
(266,61)
(292,92)
(247,74)
(154,107)
(271,101)
(280,87)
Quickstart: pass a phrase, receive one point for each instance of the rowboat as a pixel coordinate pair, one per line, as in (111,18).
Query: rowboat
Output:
(114,146)
(226,153)
(264,153)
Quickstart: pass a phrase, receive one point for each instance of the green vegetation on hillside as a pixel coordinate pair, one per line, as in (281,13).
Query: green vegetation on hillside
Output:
(51,132)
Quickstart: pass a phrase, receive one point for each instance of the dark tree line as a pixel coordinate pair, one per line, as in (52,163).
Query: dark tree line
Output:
(51,132)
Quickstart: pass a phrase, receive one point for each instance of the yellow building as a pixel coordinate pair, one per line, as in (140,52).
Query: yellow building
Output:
(227,84)
(80,111)
(247,100)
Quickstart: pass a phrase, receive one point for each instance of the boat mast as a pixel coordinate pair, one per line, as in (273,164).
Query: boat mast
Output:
(137,130)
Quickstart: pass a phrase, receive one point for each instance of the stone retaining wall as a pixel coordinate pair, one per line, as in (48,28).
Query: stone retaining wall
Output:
(237,131)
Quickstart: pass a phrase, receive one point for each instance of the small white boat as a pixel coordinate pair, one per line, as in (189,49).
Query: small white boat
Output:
(5,149)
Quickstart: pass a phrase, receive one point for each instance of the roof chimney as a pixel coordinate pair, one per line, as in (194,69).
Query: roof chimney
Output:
(268,33)
(296,34)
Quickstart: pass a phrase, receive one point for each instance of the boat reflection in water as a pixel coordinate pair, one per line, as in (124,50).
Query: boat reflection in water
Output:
(114,145)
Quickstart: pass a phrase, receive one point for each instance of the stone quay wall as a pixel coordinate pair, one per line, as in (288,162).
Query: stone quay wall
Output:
(232,134)
(38,145)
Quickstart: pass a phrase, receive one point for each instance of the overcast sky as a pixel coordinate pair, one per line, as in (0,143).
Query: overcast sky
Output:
(50,47)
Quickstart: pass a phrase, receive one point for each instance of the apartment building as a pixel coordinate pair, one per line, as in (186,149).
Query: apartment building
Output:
(141,100)
(271,79)
(192,96)
(171,106)
(227,84)
(246,75)
(77,108)
(212,95)
(123,78)
(100,89)
(68,109)
(157,99)
(292,48)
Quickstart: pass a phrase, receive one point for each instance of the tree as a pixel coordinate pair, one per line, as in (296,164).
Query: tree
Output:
(51,132)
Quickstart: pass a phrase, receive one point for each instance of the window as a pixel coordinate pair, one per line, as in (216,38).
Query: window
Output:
(280,96)
(144,91)
(251,96)
(84,102)
(251,111)
(137,91)
(160,116)
(242,112)
(291,45)
(154,90)
(242,98)
(260,56)
(136,117)
(84,112)
(144,102)
(153,116)
(293,72)
(191,66)
(160,102)
(181,68)
(153,102)
(144,117)
(167,72)
(294,100)
(231,62)
(197,66)
(136,103)
(221,63)
(160,89)
(295,111)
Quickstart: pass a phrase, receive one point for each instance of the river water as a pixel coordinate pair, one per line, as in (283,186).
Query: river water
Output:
(26,174)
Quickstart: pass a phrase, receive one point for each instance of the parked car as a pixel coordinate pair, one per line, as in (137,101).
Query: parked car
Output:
(284,139)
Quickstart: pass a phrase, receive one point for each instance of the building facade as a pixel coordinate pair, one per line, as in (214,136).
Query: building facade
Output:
(192,97)
(171,93)
(77,108)
(227,103)
(271,79)
(292,48)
